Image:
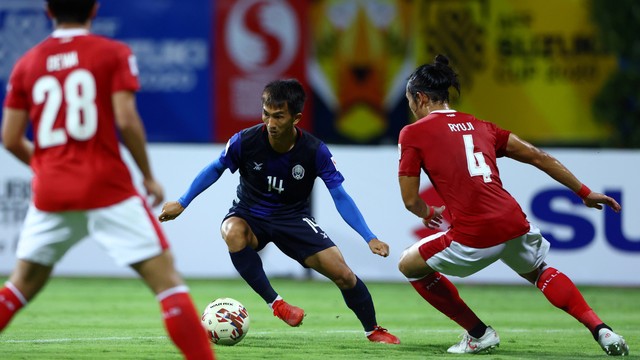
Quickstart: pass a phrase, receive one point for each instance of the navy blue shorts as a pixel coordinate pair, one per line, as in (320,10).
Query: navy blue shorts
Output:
(298,238)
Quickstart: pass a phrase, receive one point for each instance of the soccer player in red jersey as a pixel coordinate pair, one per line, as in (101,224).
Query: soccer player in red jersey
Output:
(78,89)
(458,152)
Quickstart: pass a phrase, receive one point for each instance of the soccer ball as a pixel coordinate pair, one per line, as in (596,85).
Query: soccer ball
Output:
(226,321)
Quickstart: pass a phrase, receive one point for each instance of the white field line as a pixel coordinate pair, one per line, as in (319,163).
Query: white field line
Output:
(301,332)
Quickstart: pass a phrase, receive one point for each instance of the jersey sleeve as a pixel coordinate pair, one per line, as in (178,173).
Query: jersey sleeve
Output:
(501,136)
(125,76)
(230,156)
(410,162)
(326,168)
(17,96)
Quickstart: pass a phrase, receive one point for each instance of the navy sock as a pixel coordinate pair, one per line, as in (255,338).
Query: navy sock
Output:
(249,266)
(478,330)
(359,300)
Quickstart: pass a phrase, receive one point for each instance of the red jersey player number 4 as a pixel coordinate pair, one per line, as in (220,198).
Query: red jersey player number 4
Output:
(458,152)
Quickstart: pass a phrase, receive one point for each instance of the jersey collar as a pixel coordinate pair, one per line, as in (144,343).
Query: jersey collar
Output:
(65,33)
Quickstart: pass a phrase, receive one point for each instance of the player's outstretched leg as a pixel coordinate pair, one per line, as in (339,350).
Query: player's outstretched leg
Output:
(292,315)
(438,291)
(11,301)
(26,281)
(183,324)
(180,316)
(563,294)
(359,300)
(249,265)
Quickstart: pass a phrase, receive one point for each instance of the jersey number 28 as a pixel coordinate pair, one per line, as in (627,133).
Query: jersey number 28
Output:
(81,120)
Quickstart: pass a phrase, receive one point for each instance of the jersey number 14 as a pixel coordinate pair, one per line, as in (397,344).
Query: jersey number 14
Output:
(274,184)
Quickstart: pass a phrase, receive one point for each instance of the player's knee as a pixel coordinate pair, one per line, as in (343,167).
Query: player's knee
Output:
(236,237)
(411,264)
(403,268)
(402,264)
(235,243)
(345,279)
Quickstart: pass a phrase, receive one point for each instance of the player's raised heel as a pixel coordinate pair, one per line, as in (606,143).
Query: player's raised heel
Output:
(470,345)
(290,314)
(381,335)
(612,343)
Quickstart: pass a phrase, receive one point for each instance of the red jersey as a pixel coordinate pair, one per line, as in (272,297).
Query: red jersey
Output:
(66,83)
(458,152)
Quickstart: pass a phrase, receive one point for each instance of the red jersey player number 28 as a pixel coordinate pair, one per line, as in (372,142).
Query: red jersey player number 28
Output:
(79,90)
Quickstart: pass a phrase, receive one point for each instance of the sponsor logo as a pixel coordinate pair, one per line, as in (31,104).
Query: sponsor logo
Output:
(566,227)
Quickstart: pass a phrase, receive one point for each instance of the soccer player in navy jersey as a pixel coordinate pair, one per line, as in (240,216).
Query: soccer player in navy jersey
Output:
(78,92)
(458,152)
(278,164)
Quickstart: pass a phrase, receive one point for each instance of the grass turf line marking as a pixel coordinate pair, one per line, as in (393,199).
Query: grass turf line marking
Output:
(130,338)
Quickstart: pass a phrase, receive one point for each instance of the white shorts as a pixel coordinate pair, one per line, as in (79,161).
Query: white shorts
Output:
(522,254)
(127,230)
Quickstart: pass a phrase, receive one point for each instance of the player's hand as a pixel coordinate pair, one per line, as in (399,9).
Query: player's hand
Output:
(154,190)
(170,211)
(596,199)
(379,247)
(435,220)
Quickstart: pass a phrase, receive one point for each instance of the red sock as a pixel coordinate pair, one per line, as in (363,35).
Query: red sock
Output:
(443,295)
(563,294)
(183,324)
(11,300)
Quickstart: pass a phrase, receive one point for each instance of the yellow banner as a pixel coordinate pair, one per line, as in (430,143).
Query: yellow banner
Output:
(360,55)
(532,66)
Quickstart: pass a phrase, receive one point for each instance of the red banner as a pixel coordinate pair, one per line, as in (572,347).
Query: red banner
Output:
(255,42)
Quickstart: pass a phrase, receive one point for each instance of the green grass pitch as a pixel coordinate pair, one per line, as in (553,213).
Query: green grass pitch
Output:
(95,318)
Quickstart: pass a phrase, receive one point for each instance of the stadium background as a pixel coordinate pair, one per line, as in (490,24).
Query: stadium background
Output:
(561,74)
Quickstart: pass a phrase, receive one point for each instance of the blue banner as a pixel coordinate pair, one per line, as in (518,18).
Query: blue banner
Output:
(172,42)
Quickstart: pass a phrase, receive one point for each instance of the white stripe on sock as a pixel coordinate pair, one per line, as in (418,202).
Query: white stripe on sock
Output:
(174,290)
(16,292)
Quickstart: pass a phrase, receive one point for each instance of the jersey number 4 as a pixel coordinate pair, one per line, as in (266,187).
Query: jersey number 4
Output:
(81,119)
(475,160)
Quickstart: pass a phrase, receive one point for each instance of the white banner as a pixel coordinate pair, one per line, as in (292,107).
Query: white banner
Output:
(591,246)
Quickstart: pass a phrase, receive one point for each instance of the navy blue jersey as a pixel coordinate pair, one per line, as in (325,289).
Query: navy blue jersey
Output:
(275,184)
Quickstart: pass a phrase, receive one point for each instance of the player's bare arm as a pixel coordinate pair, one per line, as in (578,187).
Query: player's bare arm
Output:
(133,136)
(410,190)
(14,126)
(170,211)
(522,151)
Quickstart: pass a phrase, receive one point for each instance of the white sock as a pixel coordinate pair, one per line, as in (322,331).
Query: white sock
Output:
(271,303)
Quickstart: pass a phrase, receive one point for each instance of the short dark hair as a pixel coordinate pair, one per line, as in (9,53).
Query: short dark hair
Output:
(71,11)
(280,92)
(434,80)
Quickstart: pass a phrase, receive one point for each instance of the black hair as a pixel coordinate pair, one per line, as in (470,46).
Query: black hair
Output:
(280,92)
(71,11)
(434,80)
